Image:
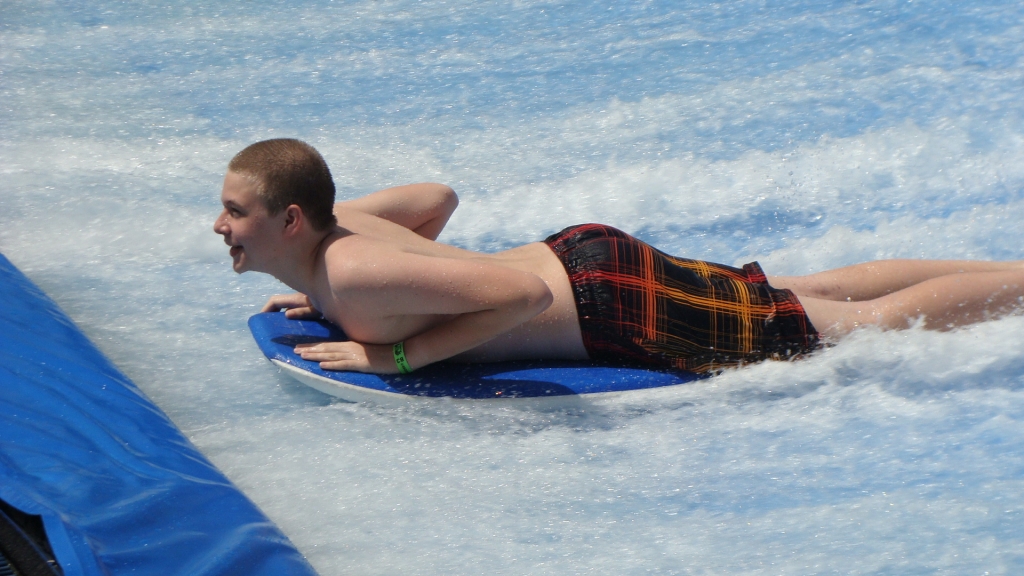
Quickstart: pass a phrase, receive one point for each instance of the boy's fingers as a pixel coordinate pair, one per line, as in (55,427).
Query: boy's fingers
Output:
(301,312)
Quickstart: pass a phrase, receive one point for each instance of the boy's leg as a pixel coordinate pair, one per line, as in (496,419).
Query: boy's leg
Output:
(872,280)
(944,302)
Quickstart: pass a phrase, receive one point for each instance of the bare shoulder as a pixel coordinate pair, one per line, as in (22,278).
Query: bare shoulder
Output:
(352,283)
(357,261)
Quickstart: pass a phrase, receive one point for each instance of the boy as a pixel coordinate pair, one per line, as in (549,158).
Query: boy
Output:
(372,267)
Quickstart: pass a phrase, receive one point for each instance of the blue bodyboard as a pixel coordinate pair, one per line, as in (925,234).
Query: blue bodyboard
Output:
(277,335)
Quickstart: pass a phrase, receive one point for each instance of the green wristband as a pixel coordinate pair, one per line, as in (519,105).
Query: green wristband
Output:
(403,364)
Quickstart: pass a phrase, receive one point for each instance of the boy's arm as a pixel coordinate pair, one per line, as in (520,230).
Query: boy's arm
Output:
(423,208)
(486,299)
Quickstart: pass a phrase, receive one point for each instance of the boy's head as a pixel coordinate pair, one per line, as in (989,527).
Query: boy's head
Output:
(288,171)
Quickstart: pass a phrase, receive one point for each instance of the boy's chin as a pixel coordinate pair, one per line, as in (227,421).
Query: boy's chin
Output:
(240,265)
(243,267)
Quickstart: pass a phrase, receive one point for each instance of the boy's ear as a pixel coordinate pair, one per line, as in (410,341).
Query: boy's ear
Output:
(293,219)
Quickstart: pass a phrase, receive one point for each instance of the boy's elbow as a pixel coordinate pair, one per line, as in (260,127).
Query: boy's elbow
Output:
(448,200)
(546,301)
(527,300)
(540,297)
(436,200)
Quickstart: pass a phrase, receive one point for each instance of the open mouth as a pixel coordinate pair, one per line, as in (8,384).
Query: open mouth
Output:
(235,251)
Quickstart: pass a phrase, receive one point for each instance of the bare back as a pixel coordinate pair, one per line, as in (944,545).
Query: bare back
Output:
(364,242)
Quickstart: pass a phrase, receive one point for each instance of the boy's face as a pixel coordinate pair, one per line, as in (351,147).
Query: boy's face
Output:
(246,225)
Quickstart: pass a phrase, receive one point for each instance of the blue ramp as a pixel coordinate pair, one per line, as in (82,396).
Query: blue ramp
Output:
(117,487)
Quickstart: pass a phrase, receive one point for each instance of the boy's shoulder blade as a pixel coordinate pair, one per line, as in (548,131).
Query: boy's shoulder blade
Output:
(354,261)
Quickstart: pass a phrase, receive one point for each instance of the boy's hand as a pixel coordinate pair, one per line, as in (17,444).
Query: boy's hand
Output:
(295,306)
(351,356)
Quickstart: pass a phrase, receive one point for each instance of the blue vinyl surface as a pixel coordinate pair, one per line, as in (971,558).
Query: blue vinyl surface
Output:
(119,488)
(277,335)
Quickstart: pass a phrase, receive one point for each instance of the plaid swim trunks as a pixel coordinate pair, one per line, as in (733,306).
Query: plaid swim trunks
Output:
(640,305)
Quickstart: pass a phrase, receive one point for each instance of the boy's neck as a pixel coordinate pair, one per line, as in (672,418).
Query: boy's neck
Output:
(300,267)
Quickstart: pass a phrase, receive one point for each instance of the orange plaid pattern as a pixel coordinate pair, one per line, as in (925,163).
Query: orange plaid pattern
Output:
(638,304)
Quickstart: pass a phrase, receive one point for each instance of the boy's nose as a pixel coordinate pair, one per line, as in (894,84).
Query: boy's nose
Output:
(218,224)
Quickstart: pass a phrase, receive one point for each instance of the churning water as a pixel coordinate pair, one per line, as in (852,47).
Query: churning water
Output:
(804,134)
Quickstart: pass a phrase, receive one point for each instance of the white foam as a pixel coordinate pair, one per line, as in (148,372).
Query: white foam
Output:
(804,137)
